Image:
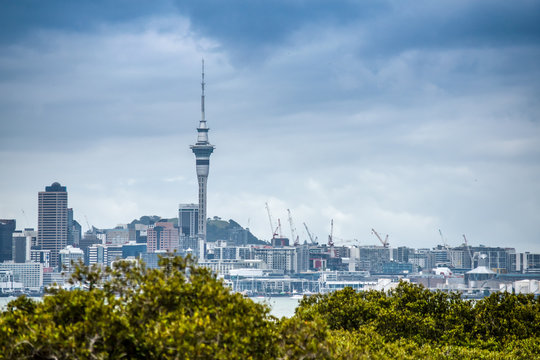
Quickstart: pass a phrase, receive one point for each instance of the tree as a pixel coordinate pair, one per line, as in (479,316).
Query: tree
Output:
(178,311)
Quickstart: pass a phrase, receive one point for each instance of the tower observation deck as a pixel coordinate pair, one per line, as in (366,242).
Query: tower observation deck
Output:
(202,150)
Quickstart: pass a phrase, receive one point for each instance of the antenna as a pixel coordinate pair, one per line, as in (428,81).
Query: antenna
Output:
(202,94)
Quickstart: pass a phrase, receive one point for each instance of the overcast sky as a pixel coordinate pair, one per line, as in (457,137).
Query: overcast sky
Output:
(403,116)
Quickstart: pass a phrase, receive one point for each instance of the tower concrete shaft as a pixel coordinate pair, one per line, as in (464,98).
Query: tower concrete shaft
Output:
(202,150)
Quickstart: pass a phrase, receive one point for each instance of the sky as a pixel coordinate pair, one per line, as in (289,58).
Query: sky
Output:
(408,117)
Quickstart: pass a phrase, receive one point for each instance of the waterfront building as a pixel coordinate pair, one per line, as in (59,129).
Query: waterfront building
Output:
(372,257)
(302,258)
(53,220)
(30,274)
(524,263)
(69,257)
(7,227)
(496,257)
(8,285)
(162,236)
(53,278)
(202,150)
(279,259)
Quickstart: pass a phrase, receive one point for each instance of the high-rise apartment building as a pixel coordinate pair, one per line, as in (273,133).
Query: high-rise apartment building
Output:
(7,228)
(202,150)
(162,236)
(53,220)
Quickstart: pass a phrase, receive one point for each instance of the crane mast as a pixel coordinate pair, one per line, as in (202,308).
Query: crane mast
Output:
(272,231)
(383,242)
(313,241)
(469,250)
(294,237)
(331,236)
(443,239)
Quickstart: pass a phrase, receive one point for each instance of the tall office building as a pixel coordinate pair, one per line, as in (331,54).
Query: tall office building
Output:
(53,220)
(7,228)
(188,216)
(188,224)
(202,150)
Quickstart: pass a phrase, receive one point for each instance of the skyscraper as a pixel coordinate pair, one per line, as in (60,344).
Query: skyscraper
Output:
(53,220)
(7,227)
(188,215)
(202,150)
(188,224)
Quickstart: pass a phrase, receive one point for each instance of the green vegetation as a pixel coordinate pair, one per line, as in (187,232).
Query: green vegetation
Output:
(216,229)
(182,311)
(411,322)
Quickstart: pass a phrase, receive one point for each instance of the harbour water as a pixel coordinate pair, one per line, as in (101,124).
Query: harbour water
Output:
(280,306)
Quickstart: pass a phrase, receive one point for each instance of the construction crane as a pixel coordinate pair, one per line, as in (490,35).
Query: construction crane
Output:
(87,223)
(279,232)
(331,236)
(443,239)
(469,250)
(331,240)
(383,242)
(272,231)
(313,241)
(294,237)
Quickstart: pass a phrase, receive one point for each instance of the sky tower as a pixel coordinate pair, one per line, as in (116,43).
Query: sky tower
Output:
(202,150)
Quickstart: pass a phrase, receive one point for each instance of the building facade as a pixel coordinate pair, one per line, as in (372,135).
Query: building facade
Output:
(69,257)
(53,220)
(7,228)
(162,236)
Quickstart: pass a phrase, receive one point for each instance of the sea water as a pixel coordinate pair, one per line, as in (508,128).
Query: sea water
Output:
(279,306)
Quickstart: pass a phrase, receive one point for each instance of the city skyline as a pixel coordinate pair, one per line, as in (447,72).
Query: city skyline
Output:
(405,118)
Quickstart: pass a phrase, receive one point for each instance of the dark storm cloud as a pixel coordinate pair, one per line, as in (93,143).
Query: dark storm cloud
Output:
(383,28)
(21,18)
(252,26)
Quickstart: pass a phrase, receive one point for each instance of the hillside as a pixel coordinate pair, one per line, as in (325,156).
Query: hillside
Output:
(216,229)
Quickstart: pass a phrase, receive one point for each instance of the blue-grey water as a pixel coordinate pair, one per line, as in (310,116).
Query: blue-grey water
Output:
(280,306)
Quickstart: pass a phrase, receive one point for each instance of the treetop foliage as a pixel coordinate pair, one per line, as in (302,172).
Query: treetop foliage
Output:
(182,311)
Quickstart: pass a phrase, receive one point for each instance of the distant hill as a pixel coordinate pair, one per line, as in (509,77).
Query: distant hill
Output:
(216,229)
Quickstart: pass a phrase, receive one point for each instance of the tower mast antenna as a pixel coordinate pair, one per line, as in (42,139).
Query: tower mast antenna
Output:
(203,119)
(202,150)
